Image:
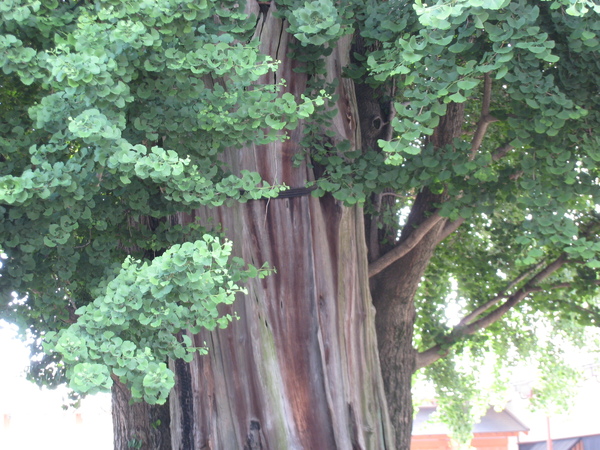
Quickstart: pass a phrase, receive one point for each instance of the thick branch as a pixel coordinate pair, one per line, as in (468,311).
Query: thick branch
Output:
(405,246)
(438,351)
(517,296)
(415,237)
(493,302)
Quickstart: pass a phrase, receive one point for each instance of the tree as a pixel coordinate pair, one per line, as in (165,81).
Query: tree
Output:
(338,168)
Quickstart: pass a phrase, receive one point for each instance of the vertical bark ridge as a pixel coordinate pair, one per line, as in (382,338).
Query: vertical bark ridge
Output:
(185,398)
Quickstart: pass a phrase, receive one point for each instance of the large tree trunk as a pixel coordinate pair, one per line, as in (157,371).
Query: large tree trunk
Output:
(300,368)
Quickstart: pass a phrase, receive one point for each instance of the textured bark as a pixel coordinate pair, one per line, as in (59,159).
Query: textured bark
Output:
(300,368)
(139,425)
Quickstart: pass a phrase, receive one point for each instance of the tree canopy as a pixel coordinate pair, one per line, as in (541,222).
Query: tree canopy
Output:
(477,119)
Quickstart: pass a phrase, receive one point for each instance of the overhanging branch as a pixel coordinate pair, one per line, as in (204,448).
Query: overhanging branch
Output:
(440,350)
(494,301)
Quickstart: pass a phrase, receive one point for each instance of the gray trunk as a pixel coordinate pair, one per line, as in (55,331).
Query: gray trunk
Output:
(139,425)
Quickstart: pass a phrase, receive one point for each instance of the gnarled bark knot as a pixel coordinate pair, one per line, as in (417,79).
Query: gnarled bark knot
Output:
(254,441)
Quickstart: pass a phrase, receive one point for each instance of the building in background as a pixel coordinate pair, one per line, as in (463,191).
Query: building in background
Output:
(519,428)
(576,443)
(497,430)
(577,429)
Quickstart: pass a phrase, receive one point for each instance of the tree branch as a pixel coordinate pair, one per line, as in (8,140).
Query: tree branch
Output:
(440,350)
(501,152)
(415,237)
(561,286)
(514,299)
(449,228)
(493,302)
(405,246)
(485,119)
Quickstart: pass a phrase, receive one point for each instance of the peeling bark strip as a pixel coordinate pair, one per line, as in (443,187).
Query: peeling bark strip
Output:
(300,368)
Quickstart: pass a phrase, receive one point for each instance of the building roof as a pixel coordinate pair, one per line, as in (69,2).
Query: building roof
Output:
(560,444)
(492,422)
(589,443)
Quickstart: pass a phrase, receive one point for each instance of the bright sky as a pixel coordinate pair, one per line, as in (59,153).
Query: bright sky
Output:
(33,418)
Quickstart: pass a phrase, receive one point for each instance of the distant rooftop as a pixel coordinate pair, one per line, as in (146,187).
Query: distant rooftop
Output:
(585,442)
(492,422)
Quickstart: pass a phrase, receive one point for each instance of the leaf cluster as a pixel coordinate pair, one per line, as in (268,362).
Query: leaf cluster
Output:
(131,330)
(114,117)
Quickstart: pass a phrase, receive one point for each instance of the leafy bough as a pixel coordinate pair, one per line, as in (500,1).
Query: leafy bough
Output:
(130,332)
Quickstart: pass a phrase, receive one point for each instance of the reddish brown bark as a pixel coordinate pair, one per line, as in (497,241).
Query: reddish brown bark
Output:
(300,368)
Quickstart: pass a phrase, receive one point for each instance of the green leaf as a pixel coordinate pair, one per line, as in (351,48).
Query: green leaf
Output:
(274,123)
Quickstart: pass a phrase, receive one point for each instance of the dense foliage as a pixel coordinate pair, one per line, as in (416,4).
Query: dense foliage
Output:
(115,116)
(109,128)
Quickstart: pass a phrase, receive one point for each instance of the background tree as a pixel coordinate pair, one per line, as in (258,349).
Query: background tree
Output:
(354,154)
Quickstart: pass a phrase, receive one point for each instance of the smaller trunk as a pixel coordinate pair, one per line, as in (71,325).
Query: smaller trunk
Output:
(394,290)
(139,425)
